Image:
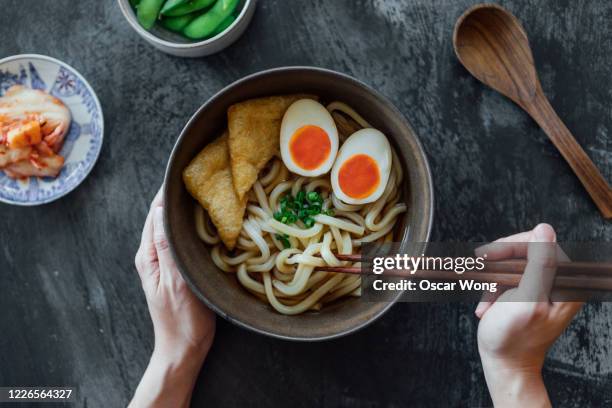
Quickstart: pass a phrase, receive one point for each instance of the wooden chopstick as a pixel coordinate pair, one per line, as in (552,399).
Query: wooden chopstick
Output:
(518,266)
(576,275)
(506,279)
(563,268)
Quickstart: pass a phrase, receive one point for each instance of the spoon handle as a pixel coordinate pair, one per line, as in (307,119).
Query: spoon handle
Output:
(543,113)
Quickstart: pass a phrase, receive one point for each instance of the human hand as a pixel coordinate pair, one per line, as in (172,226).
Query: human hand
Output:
(518,326)
(184,328)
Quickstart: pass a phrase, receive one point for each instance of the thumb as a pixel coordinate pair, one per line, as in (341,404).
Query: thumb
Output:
(166,262)
(539,275)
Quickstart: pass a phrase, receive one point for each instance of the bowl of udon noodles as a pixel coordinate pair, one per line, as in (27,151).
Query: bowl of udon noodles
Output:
(248,233)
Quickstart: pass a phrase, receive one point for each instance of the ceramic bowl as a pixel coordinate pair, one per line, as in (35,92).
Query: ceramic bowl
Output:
(221,291)
(83,142)
(175,44)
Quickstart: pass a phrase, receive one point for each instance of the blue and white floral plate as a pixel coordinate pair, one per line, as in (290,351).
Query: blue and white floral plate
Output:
(83,142)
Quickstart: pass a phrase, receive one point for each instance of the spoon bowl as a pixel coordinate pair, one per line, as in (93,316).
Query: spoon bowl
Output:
(505,64)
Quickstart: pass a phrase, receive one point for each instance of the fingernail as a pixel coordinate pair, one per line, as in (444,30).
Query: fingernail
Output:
(481,250)
(479,309)
(543,233)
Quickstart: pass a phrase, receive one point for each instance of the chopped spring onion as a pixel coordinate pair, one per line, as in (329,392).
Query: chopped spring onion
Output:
(304,206)
(284,239)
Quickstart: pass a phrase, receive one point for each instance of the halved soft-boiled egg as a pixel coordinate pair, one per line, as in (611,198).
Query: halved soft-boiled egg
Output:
(362,167)
(308,138)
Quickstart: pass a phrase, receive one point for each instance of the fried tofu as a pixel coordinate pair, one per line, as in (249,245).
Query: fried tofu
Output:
(254,132)
(208,179)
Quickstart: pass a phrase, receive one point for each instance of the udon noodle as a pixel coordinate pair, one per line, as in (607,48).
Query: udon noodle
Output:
(286,277)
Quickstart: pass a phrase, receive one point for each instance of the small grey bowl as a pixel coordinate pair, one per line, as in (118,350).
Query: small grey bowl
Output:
(173,43)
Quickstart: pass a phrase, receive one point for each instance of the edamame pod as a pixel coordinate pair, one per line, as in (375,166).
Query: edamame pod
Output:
(204,25)
(147,12)
(224,25)
(187,8)
(177,23)
(171,5)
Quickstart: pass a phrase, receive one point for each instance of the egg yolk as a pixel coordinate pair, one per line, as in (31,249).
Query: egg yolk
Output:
(359,176)
(310,147)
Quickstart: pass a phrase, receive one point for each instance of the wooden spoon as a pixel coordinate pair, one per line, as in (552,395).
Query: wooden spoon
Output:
(491,43)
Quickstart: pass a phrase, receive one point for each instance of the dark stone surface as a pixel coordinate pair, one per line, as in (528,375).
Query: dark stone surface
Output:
(73,312)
